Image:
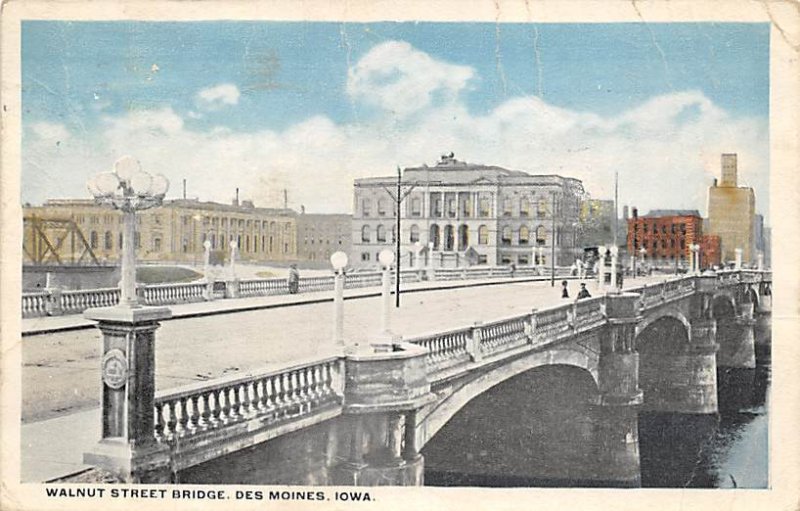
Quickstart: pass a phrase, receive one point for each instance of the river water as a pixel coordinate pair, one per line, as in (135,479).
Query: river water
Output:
(532,445)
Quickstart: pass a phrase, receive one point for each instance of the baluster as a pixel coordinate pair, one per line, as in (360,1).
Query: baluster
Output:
(194,424)
(184,419)
(173,419)
(159,421)
(215,420)
(226,406)
(270,396)
(236,404)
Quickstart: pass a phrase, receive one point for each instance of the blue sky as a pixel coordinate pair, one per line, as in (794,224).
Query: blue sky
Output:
(318,89)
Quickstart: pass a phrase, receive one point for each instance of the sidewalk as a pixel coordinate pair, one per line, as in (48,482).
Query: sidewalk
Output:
(48,324)
(54,448)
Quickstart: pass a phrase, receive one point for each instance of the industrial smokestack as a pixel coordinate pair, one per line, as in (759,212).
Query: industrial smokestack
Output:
(184,188)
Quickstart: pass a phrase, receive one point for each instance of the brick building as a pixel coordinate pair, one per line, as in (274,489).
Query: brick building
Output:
(666,236)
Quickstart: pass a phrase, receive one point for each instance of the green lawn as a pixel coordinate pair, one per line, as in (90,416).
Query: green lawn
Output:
(165,274)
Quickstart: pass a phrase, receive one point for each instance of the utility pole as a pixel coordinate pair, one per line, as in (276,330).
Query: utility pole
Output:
(616,208)
(398,195)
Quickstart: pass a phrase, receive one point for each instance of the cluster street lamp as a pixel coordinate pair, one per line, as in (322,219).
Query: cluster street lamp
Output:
(127,446)
(129,189)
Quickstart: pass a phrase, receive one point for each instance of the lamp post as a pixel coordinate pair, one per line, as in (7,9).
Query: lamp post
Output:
(738,261)
(553,247)
(129,189)
(338,261)
(127,446)
(417,252)
(386,258)
(695,249)
(614,254)
(642,252)
(601,267)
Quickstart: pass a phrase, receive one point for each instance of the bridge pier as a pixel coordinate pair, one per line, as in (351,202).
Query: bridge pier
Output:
(739,351)
(128,447)
(384,389)
(616,423)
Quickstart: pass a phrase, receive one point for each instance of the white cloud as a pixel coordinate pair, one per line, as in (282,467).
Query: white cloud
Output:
(50,132)
(214,98)
(399,78)
(666,150)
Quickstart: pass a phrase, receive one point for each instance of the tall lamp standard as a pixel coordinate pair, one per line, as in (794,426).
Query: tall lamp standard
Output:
(129,189)
(338,261)
(127,446)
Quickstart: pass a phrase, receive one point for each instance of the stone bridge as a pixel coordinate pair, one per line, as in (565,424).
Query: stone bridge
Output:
(361,418)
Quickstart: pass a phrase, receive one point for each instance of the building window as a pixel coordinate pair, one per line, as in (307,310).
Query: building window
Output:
(365,206)
(365,256)
(156,244)
(482,259)
(437,208)
(466,207)
(483,235)
(524,235)
(505,259)
(414,234)
(434,238)
(524,207)
(93,239)
(541,236)
(463,237)
(365,234)
(416,207)
(120,241)
(108,241)
(381,233)
(381,207)
(449,238)
(451,208)
(507,207)
(484,207)
(541,208)
(523,260)
(505,236)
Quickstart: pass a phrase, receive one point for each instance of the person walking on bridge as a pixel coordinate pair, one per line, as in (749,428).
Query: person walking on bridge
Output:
(294,279)
(583,293)
(564,289)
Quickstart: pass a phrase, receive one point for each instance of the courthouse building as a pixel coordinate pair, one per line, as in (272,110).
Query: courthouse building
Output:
(459,214)
(320,235)
(731,213)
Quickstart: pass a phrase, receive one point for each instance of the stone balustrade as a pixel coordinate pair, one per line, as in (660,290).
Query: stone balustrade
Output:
(272,397)
(54,302)
(504,335)
(447,349)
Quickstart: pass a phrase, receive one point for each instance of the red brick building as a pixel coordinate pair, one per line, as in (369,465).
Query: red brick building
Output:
(666,236)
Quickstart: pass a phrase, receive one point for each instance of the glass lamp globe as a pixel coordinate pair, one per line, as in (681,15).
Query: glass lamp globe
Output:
(141,183)
(386,257)
(160,185)
(338,260)
(106,183)
(126,167)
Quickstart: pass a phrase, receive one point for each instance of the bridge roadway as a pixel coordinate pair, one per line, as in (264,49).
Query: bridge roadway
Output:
(60,372)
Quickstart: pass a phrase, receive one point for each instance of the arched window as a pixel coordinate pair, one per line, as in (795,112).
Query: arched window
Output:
(93,239)
(435,236)
(381,233)
(541,236)
(449,238)
(483,235)
(463,237)
(109,241)
(413,234)
(505,237)
(524,235)
(365,234)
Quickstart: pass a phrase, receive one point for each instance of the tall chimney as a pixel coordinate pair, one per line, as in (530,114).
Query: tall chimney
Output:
(184,188)
(285,199)
(236,200)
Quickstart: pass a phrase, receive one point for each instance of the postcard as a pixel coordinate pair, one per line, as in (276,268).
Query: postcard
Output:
(348,255)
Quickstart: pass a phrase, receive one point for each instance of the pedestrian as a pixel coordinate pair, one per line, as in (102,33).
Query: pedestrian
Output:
(294,279)
(564,290)
(583,293)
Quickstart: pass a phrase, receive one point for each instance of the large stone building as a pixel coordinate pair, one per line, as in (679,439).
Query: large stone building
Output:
(666,236)
(320,235)
(731,211)
(176,231)
(460,214)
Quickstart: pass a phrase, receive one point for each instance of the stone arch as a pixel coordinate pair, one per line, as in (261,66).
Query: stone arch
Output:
(435,416)
(725,295)
(670,312)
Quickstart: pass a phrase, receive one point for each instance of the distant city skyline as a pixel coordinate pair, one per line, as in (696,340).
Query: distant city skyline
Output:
(309,107)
